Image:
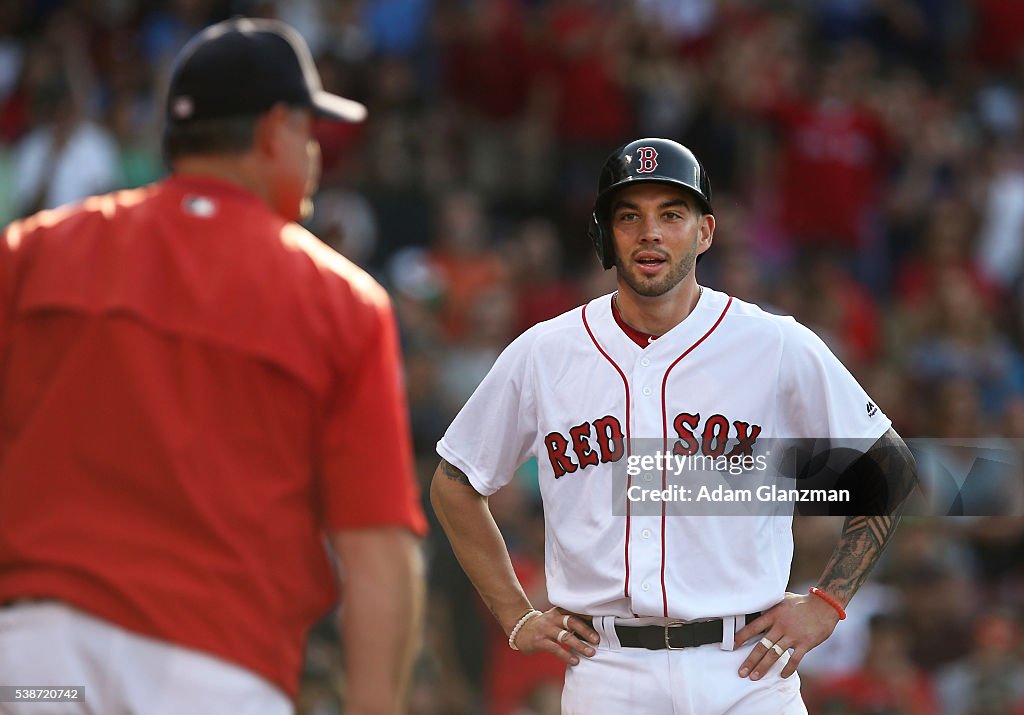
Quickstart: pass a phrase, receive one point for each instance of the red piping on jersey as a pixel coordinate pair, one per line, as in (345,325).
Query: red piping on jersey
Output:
(664,425)
(629,445)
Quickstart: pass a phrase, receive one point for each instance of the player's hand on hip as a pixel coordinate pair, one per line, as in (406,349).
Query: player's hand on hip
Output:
(559,633)
(794,626)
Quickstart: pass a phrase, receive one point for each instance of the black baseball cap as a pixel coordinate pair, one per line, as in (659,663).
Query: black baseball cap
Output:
(244,66)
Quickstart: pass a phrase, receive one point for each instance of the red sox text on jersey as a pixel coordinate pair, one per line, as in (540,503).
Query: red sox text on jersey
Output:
(601,441)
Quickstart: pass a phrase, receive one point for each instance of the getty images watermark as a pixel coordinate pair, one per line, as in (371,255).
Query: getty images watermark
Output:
(957,477)
(737,464)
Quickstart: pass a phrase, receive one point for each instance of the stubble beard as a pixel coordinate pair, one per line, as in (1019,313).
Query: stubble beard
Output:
(652,288)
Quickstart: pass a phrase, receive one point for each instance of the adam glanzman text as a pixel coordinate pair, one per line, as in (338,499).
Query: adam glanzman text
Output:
(737,464)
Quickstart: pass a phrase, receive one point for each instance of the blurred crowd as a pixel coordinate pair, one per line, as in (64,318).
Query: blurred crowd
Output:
(867,159)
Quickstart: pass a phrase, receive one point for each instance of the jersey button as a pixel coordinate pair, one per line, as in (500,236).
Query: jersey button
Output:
(647,391)
(646,533)
(645,586)
(648,477)
(645,361)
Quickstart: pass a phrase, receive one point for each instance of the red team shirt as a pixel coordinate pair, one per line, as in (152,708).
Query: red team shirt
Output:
(193,391)
(833,157)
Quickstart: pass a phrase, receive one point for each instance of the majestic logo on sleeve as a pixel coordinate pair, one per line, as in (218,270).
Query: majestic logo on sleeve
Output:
(602,440)
(647,159)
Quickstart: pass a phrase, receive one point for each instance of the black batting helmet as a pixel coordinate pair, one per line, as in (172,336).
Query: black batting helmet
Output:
(644,161)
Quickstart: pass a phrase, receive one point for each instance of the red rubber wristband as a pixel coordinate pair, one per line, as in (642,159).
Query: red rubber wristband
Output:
(830,601)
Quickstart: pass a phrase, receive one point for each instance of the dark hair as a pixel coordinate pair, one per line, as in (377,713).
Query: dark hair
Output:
(223,135)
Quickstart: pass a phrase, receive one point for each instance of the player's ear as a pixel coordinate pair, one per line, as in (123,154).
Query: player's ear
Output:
(707,232)
(268,139)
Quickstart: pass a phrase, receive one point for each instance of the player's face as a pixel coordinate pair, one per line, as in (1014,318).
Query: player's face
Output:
(296,165)
(659,231)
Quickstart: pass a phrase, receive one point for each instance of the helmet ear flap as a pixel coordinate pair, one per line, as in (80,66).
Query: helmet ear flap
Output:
(602,240)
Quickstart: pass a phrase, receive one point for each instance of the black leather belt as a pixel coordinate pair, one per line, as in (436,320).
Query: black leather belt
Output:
(674,636)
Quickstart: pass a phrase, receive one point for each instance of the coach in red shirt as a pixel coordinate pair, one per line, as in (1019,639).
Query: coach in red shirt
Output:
(196,398)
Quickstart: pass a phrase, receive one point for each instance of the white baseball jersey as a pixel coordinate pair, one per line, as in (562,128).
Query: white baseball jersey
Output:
(577,393)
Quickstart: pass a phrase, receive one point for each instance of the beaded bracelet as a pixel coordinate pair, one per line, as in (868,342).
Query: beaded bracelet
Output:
(830,601)
(522,621)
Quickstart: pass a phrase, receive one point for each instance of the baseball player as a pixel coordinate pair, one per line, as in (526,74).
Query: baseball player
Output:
(196,397)
(655,614)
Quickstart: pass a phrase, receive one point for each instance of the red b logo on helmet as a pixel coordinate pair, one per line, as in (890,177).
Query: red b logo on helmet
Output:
(647,159)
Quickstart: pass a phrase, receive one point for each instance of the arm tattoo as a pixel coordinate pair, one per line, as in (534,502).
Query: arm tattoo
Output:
(864,538)
(454,473)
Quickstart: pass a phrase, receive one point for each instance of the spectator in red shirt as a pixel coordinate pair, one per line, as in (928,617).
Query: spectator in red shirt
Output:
(491,64)
(945,250)
(887,681)
(833,158)
(542,289)
(463,258)
(591,104)
(998,32)
(839,308)
(488,60)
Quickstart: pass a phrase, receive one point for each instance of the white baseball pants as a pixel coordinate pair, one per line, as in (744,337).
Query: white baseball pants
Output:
(47,643)
(691,681)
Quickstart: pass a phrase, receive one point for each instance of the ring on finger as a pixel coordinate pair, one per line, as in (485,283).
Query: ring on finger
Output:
(565,622)
(778,649)
(562,635)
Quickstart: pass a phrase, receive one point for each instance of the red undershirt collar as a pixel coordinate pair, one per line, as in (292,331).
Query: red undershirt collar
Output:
(638,337)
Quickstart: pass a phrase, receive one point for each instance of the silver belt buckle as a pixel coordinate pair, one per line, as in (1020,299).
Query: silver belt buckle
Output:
(668,643)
